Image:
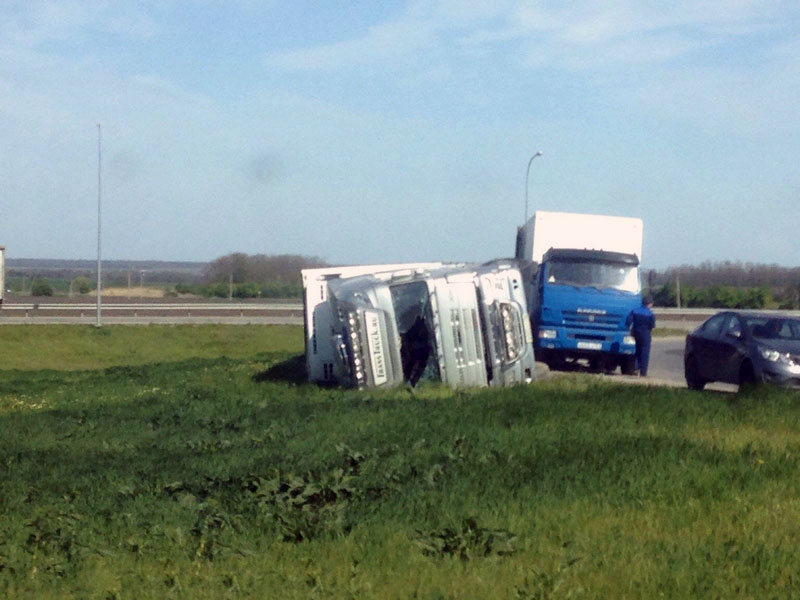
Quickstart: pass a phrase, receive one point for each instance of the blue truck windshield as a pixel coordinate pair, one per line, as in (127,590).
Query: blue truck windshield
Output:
(617,276)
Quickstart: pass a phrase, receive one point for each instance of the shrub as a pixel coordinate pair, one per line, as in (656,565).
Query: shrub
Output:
(246,290)
(41,287)
(82,284)
(184,288)
(715,296)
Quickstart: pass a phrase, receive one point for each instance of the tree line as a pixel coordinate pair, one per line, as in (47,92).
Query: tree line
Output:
(240,275)
(725,285)
(236,275)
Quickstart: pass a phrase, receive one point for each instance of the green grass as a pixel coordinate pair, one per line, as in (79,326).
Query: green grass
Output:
(71,347)
(669,332)
(212,477)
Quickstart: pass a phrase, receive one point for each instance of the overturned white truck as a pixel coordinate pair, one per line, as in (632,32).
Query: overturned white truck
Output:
(380,326)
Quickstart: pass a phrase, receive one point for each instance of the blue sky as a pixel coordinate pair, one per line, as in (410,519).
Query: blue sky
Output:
(397,131)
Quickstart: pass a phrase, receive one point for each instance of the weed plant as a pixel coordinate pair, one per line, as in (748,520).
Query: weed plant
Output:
(217,477)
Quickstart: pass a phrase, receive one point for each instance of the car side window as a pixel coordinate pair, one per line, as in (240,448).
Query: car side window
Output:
(732,327)
(713,326)
(788,330)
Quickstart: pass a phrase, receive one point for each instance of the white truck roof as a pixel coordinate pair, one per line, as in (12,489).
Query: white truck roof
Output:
(545,230)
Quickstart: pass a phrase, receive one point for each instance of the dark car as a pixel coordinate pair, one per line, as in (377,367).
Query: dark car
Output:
(743,347)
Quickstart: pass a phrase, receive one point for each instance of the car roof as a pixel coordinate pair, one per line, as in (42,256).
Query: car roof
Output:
(760,314)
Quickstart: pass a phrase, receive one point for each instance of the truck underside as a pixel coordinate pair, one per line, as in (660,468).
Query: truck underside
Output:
(596,361)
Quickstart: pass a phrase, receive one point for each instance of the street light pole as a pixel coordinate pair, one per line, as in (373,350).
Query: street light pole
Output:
(527,174)
(99,263)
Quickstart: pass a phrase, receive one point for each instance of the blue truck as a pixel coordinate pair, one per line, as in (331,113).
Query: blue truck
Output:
(582,279)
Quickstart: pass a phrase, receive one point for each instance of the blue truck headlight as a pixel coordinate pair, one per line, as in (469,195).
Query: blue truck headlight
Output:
(629,340)
(548,334)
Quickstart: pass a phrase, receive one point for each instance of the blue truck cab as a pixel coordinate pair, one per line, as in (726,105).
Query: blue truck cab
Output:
(579,300)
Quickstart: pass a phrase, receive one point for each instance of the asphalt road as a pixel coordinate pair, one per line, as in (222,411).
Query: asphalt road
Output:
(126,311)
(666,367)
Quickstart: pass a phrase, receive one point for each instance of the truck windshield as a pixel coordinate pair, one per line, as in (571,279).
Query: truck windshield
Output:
(618,276)
(414,321)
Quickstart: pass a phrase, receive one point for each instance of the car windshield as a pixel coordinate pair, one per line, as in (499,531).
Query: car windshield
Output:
(618,276)
(773,328)
(414,321)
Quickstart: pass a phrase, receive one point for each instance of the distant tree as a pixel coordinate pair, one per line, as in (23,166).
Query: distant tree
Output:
(727,285)
(184,288)
(82,284)
(41,287)
(260,268)
(246,290)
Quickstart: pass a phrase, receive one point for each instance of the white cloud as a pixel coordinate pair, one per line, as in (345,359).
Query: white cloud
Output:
(578,35)
(30,23)
(381,44)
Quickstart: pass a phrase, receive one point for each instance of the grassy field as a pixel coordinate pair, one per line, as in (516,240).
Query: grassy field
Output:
(211,471)
(71,347)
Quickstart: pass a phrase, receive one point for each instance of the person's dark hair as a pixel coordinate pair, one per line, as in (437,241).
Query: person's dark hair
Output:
(647,300)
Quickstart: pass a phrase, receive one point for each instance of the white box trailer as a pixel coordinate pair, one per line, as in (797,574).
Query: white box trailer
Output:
(319,318)
(576,231)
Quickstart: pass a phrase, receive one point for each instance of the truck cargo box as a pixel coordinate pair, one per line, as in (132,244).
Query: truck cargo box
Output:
(545,230)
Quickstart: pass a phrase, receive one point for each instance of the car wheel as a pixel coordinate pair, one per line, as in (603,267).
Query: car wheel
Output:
(627,365)
(747,376)
(693,379)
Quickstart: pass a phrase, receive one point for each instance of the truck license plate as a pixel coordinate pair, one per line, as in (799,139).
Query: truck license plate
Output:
(590,346)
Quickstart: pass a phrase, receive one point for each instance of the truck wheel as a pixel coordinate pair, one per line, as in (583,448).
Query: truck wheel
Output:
(627,365)
(554,364)
(604,365)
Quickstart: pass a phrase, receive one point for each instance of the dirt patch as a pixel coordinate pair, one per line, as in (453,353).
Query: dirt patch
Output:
(132,292)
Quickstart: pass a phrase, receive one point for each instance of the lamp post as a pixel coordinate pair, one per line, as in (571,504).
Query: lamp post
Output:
(527,174)
(99,264)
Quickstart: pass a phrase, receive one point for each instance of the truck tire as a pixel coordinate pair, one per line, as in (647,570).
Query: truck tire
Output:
(603,365)
(627,364)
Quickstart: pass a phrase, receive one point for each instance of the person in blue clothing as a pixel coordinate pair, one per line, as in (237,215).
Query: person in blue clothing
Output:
(641,321)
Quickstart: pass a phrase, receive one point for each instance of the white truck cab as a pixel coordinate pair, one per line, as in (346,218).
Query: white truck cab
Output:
(386,325)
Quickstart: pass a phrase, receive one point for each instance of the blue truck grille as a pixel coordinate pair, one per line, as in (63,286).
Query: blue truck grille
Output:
(573,318)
